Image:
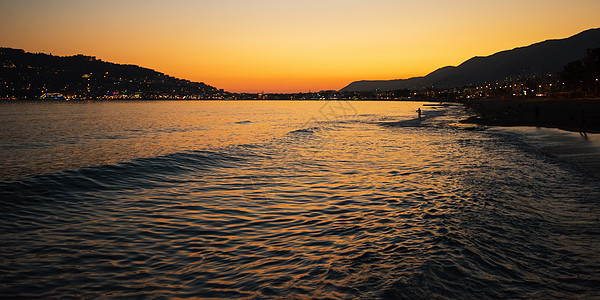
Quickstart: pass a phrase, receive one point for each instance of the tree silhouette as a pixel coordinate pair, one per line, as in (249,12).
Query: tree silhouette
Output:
(583,75)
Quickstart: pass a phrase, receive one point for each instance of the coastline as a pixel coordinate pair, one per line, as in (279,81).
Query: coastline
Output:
(576,115)
(556,130)
(579,151)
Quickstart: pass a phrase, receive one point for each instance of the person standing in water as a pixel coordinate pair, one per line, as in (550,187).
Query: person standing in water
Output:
(419,112)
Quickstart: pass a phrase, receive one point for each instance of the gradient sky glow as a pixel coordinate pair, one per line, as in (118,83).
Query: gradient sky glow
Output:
(288,46)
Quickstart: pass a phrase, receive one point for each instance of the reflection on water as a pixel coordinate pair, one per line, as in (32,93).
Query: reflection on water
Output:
(265,200)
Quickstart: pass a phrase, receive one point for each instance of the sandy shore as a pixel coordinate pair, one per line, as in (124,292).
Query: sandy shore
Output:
(568,114)
(582,152)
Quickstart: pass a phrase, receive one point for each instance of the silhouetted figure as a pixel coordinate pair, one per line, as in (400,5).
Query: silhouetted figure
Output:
(582,124)
(419,112)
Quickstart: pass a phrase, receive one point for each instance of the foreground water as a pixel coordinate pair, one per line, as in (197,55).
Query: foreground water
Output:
(287,199)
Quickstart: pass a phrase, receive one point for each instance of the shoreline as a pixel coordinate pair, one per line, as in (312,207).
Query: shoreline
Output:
(579,151)
(575,115)
(554,127)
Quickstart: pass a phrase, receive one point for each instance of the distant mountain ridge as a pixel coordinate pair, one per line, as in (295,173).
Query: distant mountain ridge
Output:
(26,75)
(548,57)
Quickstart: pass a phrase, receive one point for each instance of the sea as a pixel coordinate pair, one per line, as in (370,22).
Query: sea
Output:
(291,199)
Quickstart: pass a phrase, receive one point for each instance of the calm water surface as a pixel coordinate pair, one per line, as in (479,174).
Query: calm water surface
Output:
(286,199)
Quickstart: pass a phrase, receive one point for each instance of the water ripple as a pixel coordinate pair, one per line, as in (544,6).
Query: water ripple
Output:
(422,212)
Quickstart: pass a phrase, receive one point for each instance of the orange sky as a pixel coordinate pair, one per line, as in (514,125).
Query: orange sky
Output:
(288,46)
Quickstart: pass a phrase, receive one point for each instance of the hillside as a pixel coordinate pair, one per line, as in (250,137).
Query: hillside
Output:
(29,75)
(548,57)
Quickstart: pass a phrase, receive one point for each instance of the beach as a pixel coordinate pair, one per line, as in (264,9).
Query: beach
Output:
(567,114)
(565,129)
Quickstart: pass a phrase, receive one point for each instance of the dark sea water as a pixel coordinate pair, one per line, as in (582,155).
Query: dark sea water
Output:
(287,199)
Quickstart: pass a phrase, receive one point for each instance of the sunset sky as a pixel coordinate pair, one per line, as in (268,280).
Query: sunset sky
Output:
(288,46)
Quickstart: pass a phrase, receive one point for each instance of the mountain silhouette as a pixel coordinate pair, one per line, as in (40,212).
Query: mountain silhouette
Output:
(548,57)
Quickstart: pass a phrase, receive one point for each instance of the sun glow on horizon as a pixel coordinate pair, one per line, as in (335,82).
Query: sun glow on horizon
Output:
(288,46)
